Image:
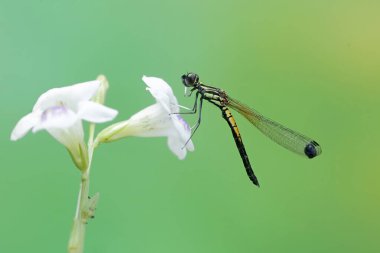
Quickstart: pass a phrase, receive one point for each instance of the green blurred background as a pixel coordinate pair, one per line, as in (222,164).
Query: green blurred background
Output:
(311,65)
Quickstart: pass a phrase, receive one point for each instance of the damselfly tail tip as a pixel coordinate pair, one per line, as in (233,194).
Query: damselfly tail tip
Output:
(255,181)
(312,149)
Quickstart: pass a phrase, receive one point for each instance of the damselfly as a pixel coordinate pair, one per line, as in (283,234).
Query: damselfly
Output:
(282,135)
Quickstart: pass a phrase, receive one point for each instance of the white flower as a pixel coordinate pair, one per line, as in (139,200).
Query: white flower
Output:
(155,120)
(60,111)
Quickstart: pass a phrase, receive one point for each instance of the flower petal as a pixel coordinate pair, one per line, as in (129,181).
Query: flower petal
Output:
(67,96)
(183,131)
(73,139)
(162,92)
(157,84)
(152,121)
(58,117)
(190,146)
(24,125)
(176,146)
(94,112)
(69,136)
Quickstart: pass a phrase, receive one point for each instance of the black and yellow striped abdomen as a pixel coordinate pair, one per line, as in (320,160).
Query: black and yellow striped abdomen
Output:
(231,121)
(227,115)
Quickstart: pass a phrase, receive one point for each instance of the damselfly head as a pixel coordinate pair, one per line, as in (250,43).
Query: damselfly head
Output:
(190,79)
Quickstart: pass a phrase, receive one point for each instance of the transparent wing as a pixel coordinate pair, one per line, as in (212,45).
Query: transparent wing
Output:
(282,135)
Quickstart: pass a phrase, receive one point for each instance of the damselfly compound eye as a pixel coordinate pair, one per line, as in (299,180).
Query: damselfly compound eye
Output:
(190,79)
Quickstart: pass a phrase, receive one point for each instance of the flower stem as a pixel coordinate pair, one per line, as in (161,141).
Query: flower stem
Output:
(85,205)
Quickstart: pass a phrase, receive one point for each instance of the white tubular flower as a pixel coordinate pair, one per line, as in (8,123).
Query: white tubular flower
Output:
(155,121)
(60,111)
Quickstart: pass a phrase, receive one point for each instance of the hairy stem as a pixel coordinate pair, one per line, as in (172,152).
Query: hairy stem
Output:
(85,206)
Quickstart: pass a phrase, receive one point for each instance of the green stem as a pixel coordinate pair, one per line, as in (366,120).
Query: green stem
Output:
(85,206)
